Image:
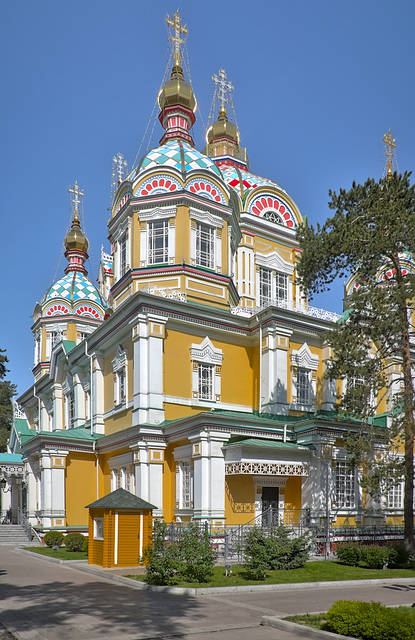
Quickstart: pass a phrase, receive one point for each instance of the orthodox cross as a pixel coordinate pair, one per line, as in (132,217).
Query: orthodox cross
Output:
(120,166)
(178,28)
(75,199)
(224,85)
(390,146)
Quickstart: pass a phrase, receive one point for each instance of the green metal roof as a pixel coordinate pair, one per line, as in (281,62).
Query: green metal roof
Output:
(68,345)
(120,499)
(80,433)
(22,427)
(11,457)
(257,442)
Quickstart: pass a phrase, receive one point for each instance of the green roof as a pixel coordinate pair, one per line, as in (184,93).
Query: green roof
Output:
(80,433)
(11,457)
(22,427)
(68,345)
(257,442)
(120,499)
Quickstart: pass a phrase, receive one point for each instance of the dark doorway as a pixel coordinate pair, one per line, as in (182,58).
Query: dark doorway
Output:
(269,506)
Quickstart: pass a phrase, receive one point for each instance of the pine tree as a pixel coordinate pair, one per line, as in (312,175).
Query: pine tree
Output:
(7,391)
(370,236)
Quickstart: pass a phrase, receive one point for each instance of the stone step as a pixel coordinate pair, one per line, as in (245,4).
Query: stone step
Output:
(13,534)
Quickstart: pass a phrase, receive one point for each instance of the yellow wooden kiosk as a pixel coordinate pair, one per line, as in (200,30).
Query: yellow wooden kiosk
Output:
(120,527)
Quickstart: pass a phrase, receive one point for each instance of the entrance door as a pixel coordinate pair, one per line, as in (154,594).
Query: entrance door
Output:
(269,506)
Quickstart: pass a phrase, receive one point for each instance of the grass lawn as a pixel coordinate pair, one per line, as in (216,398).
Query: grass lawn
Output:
(319,571)
(62,553)
(317,620)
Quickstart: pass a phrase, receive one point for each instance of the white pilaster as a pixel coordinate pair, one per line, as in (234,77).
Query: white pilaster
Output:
(98,394)
(148,336)
(209,475)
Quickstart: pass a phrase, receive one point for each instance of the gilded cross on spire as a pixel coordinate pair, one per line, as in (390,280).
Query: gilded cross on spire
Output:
(178,28)
(224,85)
(75,199)
(390,146)
(120,166)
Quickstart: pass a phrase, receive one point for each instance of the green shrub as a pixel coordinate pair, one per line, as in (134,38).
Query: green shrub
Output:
(370,621)
(196,557)
(85,545)
(161,558)
(74,541)
(53,538)
(276,551)
(374,556)
(349,553)
(398,556)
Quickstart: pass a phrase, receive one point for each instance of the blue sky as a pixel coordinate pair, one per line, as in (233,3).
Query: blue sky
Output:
(317,84)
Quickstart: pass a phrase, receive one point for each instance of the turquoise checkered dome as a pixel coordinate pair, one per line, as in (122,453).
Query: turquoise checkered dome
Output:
(74,287)
(178,155)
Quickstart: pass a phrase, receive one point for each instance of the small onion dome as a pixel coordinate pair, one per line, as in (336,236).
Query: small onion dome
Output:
(75,240)
(222,128)
(177,91)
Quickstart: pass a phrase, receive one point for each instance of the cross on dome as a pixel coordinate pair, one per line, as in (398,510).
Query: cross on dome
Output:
(75,198)
(178,28)
(224,85)
(390,146)
(120,165)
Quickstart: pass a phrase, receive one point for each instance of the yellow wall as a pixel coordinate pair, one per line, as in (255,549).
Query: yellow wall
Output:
(182,251)
(293,493)
(239,499)
(80,487)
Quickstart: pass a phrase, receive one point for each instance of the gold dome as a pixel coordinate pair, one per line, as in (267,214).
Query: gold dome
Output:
(75,240)
(222,128)
(177,91)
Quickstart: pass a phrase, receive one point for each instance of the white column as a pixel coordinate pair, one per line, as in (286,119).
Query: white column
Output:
(148,459)
(148,336)
(98,393)
(209,476)
(79,396)
(58,418)
(275,370)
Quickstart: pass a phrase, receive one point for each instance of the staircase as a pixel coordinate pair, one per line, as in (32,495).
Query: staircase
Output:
(13,535)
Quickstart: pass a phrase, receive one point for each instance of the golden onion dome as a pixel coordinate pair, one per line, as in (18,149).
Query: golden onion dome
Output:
(222,128)
(177,91)
(75,240)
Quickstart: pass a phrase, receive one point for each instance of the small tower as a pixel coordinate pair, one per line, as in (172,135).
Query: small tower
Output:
(222,138)
(176,99)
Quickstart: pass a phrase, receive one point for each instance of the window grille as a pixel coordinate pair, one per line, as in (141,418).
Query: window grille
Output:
(158,241)
(123,245)
(303,386)
(205,246)
(70,399)
(273,217)
(187,473)
(393,498)
(205,381)
(281,288)
(265,285)
(345,486)
(121,386)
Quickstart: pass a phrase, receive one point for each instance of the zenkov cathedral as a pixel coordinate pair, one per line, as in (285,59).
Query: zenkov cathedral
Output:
(193,376)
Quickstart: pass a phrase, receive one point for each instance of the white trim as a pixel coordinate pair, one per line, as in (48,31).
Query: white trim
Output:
(141,533)
(274,261)
(304,358)
(189,402)
(116,539)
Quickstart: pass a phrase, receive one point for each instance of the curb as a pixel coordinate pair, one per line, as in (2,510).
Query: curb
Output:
(199,591)
(301,630)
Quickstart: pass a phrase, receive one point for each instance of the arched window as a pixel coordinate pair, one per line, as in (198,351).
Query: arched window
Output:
(273,217)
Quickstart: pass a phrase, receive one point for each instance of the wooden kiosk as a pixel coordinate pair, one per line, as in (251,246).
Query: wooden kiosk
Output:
(120,527)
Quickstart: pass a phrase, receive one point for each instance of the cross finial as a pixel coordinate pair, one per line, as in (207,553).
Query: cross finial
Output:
(120,166)
(390,146)
(178,28)
(224,85)
(76,196)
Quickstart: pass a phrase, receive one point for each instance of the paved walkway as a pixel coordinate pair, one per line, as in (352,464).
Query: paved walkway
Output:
(40,600)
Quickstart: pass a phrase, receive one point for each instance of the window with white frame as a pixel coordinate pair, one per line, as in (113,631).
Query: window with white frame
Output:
(206,371)
(273,287)
(304,376)
(53,336)
(123,249)
(205,376)
(303,385)
(265,285)
(98,528)
(394,497)
(205,246)
(70,408)
(119,367)
(184,484)
(158,241)
(345,491)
